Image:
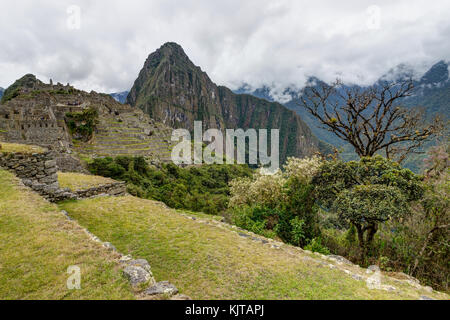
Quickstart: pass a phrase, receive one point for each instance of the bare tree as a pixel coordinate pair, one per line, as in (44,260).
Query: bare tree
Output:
(371,119)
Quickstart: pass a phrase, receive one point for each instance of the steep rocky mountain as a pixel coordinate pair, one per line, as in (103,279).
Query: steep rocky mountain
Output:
(68,120)
(120,96)
(432,93)
(171,89)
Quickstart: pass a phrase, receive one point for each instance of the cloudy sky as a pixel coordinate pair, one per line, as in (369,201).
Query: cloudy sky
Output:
(102,45)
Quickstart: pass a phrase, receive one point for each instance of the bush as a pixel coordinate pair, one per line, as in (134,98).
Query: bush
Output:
(256,219)
(316,246)
(287,198)
(82,124)
(202,188)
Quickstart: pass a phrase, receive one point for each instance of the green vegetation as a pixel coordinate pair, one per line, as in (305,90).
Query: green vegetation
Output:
(82,124)
(38,244)
(280,205)
(79,181)
(10,94)
(371,211)
(13,91)
(206,261)
(366,193)
(203,188)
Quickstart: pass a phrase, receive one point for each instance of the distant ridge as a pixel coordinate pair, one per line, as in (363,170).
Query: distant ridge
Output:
(120,96)
(432,93)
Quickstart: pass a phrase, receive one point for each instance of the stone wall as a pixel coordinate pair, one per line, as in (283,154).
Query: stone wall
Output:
(67,162)
(39,172)
(112,189)
(50,133)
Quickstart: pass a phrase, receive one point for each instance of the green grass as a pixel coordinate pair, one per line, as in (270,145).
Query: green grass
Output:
(22,148)
(79,181)
(38,244)
(206,261)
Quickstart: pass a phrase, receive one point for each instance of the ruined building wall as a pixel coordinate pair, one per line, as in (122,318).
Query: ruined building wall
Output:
(38,126)
(39,172)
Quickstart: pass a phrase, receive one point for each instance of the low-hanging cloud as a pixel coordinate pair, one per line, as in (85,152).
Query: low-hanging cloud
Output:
(257,42)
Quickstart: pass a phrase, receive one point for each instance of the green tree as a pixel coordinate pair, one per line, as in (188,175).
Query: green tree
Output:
(436,202)
(367,192)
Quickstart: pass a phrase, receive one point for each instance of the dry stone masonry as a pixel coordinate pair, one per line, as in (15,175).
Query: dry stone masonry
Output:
(41,113)
(39,172)
(111,189)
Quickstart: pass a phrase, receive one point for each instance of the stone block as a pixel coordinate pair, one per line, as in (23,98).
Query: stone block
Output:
(162,288)
(50,164)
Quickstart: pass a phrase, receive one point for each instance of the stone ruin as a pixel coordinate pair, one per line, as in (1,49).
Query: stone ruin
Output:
(37,116)
(38,171)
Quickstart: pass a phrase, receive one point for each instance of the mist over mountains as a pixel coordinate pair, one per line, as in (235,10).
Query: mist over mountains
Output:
(432,92)
(435,82)
(171,89)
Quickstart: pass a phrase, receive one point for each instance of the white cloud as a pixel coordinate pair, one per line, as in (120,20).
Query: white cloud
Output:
(254,41)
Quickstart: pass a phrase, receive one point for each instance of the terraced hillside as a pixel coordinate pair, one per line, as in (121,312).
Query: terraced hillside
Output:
(38,244)
(65,119)
(204,257)
(208,259)
(128,133)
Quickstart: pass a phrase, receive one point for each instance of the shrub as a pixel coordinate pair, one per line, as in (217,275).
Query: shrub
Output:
(298,232)
(288,196)
(263,190)
(316,246)
(197,188)
(82,124)
(256,220)
(302,169)
(367,193)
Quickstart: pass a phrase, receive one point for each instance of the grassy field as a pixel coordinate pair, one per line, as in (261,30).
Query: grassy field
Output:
(22,148)
(206,261)
(38,244)
(79,181)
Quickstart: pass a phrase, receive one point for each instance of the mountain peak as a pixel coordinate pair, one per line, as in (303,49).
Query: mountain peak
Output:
(170,49)
(29,80)
(171,45)
(438,73)
(26,83)
(172,89)
(400,72)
